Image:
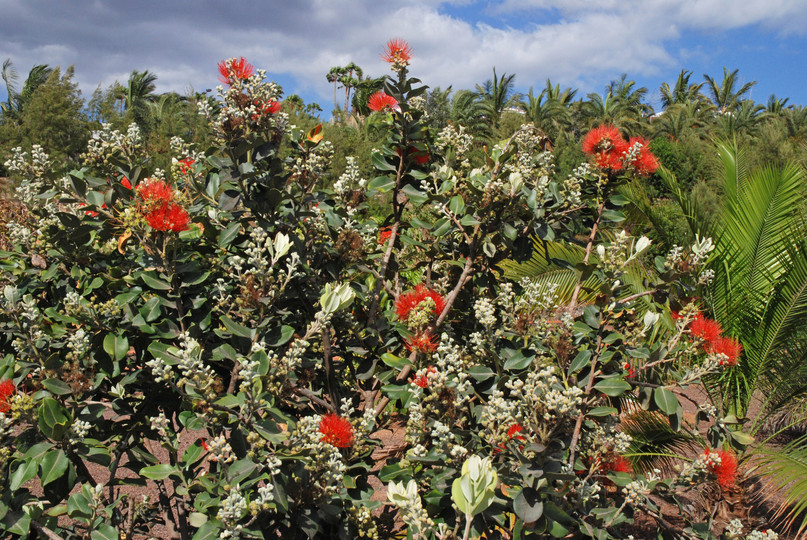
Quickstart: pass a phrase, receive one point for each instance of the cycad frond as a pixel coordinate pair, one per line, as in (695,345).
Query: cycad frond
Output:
(785,475)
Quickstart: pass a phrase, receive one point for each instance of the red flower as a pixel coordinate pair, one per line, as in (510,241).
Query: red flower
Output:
(384,234)
(336,430)
(514,429)
(726,470)
(422,378)
(6,391)
(704,328)
(234,69)
(616,463)
(125,183)
(397,51)
(629,369)
(420,157)
(381,101)
(408,301)
(728,346)
(606,145)
(186,164)
(425,342)
(204,444)
(645,162)
(153,190)
(168,216)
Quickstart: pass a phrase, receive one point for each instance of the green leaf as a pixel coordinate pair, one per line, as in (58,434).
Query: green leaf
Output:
(456,205)
(602,411)
(53,466)
(116,346)
(78,506)
(24,472)
(152,280)
(665,400)
(104,532)
(394,361)
(613,215)
(612,387)
(380,162)
(208,531)
(53,419)
(382,184)
(580,361)
(159,472)
(197,519)
(57,386)
(17,523)
(415,195)
(235,328)
(227,235)
(528,505)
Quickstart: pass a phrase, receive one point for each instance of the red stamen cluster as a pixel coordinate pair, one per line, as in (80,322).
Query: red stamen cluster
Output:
(714,343)
(381,101)
(409,301)
(397,51)
(425,342)
(267,108)
(6,391)
(726,470)
(384,234)
(512,433)
(421,379)
(336,431)
(610,151)
(186,165)
(234,69)
(615,463)
(159,209)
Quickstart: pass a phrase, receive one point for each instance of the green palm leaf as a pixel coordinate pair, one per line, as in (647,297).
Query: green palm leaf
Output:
(785,475)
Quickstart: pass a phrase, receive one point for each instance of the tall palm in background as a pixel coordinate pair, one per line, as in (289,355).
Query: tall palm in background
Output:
(140,90)
(17,99)
(498,94)
(683,92)
(725,94)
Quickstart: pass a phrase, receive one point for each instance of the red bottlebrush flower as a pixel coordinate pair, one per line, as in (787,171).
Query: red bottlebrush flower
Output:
(616,463)
(420,157)
(336,430)
(273,107)
(425,342)
(186,165)
(514,430)
(408,301)
(728,346)
(153,190)
(397,51)
(421,379)
(645,162)
(234,69)
(704,328)
(6,391)
(606,145)
(629,369)
(384,234)
(168,217)
(726,470)
(125,183)
(204,445)
(380,101)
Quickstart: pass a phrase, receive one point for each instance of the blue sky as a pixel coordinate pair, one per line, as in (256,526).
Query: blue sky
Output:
(579,43)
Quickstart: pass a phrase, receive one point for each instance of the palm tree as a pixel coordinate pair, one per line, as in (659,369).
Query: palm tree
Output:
(725,95)
(349,81)
(683,92)
(472,113)
(775,105)
(550,109)
(137,94)
(623,90)
(745,117)
(17,100)
(681,117)
(607,109)
(498,94)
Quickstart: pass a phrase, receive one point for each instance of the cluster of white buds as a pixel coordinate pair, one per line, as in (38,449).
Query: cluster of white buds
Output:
(220,450)
(350,180)
(407,500)
(485,312)
(636,492)
(455,138)
(572,188)
(315,165)
(32,172)
(161,425)
(691,472)
(78,430)
(327,467)
(107,143)
(232,509)
(79,345)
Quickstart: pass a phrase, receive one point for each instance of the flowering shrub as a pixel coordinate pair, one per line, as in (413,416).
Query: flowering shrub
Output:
(237,302)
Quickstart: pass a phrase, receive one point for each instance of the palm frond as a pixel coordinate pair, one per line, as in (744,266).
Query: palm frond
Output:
(785,475)
(655,443)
